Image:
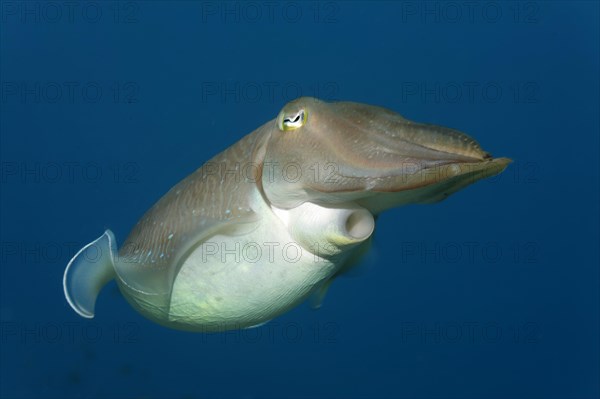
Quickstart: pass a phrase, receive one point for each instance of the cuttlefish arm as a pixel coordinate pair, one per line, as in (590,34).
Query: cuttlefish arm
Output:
(371,156)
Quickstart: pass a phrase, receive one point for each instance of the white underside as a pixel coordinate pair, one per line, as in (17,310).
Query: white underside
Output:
(241,281)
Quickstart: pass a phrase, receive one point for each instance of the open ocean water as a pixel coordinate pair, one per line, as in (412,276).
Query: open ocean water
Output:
(493,293)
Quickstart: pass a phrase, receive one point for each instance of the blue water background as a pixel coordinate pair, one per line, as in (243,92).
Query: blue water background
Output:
(492,293)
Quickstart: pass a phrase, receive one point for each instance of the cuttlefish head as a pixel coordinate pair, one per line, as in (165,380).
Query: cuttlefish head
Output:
(350,153)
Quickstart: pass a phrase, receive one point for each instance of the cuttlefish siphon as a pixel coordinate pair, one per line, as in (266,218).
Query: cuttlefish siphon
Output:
(276,217)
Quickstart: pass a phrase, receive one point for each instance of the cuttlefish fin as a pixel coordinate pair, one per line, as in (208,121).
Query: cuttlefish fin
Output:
(351,265)
(88,271)
(361,256)
(317,297)
(257,325)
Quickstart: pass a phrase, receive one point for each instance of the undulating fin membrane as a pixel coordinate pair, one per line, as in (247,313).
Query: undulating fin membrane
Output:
(89,270)
(318,296)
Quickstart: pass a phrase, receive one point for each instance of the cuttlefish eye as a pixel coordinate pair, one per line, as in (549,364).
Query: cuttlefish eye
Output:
(292,120)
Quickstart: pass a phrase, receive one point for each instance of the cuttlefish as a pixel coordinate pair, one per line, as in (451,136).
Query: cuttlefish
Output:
(276,217)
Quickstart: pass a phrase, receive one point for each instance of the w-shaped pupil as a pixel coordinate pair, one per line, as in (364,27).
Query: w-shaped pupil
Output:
(296,119)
